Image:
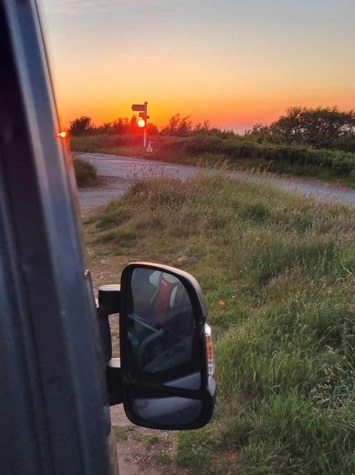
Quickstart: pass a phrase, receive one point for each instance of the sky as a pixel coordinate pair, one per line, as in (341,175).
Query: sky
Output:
(232,62)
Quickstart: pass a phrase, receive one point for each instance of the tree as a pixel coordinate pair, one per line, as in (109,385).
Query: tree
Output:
(152,129)
(259,133)
(202,128)
(121,126)
(81,126)
(320,127)
(179,126)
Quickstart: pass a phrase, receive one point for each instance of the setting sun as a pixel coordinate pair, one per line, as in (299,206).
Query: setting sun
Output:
(141,123)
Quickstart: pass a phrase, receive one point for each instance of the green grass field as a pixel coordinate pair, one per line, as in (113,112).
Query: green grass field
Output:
(278,272)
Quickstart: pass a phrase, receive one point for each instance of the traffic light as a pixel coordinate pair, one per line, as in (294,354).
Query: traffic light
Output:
(143,119)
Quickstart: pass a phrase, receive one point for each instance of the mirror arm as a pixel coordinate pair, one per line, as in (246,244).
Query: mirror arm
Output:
(109,297)
(109,303)
(105,333)
(109,300)
(114,385)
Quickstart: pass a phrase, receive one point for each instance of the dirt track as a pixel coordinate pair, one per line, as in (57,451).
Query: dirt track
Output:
(118,172)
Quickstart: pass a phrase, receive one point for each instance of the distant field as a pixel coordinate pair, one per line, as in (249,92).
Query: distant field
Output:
(278,272)
(332,165)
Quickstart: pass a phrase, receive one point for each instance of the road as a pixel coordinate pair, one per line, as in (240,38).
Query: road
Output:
(119,171)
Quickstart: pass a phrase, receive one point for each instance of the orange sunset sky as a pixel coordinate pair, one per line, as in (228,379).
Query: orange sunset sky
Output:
(233,62)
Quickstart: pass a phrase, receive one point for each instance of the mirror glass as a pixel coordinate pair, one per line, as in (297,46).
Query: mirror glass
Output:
(161,328)
(177,411)
(165,367)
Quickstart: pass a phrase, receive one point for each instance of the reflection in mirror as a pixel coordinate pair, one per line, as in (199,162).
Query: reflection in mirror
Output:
(161,324)
(164,352)
(175,410)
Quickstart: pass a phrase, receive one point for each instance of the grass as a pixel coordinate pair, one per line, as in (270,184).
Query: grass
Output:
(163,457)
(330,165)
(85,173)
(150,441)
(278,274)
(123,432)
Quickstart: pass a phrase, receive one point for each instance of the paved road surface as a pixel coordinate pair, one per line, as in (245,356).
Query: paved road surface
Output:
(120,171)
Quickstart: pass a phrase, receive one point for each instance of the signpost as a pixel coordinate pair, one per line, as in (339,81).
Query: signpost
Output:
(139,107)
(143,113)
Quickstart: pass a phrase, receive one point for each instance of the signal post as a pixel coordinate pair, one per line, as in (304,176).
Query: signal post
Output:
(143,114)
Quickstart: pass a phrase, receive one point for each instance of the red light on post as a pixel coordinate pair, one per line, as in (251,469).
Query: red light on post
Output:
(142,122)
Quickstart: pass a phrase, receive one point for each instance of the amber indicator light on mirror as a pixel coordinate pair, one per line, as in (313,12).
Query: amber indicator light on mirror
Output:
(209,350)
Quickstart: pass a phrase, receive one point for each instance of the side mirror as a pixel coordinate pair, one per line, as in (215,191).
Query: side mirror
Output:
(166,349)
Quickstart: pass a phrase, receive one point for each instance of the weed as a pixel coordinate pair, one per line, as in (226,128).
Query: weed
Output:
(163,457)
(123,432)
(117,237)
(151,440)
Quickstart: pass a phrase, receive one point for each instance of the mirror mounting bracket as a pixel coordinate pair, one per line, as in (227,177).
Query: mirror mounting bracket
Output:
(114,384)
(109,303)
(109,297)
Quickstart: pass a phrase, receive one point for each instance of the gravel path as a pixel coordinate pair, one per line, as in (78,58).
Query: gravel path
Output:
(118,172)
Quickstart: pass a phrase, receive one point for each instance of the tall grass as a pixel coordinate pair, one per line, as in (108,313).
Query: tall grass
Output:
(103,142)
(111,143)
(338,161)
(278,273)
(85,173)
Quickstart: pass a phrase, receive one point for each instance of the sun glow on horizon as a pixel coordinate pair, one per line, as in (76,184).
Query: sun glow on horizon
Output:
(233,63)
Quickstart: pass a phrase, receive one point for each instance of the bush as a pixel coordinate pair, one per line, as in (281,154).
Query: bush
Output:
(103,142)
(85,173)
(238,149)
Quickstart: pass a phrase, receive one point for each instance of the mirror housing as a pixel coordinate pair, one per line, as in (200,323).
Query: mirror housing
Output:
(165,349)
